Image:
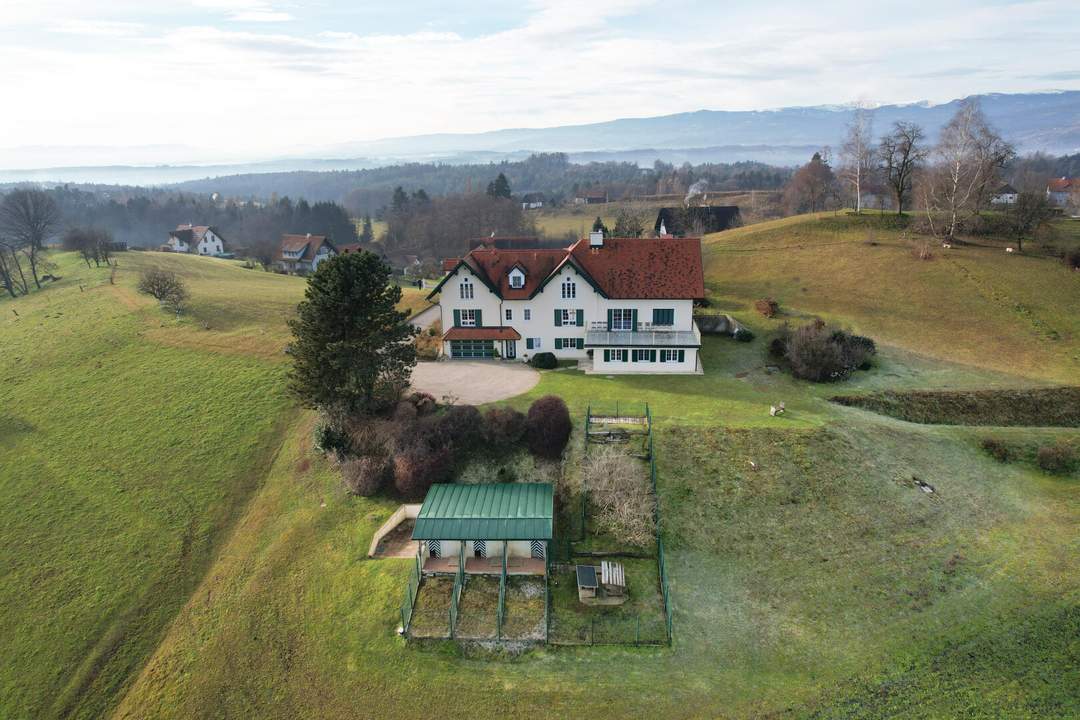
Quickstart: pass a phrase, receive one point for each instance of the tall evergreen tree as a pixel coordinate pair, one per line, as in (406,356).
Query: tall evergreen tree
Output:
(499,187)
(351,349)
(368,235)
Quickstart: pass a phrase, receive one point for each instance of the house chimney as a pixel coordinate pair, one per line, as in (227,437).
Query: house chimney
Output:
(596,238)
(308,236)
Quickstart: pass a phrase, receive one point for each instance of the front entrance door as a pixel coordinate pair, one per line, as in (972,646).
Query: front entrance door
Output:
(511,349)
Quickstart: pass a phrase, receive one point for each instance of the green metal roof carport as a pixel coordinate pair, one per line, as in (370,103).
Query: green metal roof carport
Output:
(500,511)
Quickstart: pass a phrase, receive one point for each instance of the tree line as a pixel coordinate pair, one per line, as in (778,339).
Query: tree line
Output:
(949,182)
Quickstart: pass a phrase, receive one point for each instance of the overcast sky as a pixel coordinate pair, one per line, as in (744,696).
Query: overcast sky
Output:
(234,79)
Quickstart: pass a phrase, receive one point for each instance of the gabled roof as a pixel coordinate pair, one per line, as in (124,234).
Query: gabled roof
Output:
(592,193)
(191,234)
(627,268)
(1006,189)
(633,268)
(497,511)
(1059,184)
(449,264)
(307,245)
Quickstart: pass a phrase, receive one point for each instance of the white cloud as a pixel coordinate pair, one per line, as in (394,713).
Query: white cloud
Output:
(204,80)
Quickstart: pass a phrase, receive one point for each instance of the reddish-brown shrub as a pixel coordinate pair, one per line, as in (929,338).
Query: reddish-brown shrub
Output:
(366,475)
(418,467)
(996,449)
(462,426)
(767,307)
(547,427)
(1057,459)
(404,412)
(424,402)
(503,426)
(1072,259)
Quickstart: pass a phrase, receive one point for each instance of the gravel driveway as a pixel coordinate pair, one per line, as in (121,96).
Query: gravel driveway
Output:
(474,382)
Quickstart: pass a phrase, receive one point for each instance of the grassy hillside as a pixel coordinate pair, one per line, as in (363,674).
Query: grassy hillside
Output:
(822,584)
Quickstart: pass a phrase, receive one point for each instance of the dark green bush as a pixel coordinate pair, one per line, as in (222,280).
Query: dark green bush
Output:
(743,335)
(1072,259)
(329,438)
(544,361)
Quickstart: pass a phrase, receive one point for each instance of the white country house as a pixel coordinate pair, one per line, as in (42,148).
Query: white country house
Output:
(617,305)
(303,253)
(199,239)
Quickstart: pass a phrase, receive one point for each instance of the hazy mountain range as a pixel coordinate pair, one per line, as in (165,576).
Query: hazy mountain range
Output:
(1048,122)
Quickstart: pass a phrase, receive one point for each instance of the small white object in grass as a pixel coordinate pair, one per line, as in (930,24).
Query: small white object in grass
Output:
(753,465)
(1010,249)
(947,246)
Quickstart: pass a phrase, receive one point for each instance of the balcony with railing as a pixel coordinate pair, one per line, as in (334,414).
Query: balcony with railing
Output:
(643,334)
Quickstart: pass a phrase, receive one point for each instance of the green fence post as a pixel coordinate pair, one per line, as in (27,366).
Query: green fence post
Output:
(637,629)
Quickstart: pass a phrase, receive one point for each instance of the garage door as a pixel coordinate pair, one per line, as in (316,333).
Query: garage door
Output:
(472,348)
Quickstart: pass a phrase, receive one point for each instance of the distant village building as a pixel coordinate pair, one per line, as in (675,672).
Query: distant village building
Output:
(302,253)
(695,221)
(1004,195)
(591,196)
(532,201)
(198,239)
(1058,190)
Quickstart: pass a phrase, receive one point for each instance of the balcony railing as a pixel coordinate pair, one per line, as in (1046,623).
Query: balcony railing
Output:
(640,327)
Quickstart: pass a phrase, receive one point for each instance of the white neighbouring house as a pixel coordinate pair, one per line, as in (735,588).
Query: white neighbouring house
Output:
(198,239)
(626,303)
(302,253)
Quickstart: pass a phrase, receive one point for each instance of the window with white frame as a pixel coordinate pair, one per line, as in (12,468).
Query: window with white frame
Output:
(528,314)
(620,355)
(569,289)
(622,319)
(509,314)
(468,318)
(671,356)
(569,317)
(466,289)
(517,278)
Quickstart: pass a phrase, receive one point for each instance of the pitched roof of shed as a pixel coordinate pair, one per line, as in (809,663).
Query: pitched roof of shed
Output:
(500,511)
(1059,184)
(481,333)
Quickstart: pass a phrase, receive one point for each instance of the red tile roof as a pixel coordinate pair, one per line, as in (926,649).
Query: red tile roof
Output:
(495,265)
(633,268)
(1060,184)
(449,264)
(624,268)
(310,245)
(481,333)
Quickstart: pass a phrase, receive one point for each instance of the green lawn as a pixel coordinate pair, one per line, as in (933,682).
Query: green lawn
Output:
(823,583)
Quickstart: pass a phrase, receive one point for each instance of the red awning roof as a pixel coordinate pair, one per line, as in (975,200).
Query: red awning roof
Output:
(481,333)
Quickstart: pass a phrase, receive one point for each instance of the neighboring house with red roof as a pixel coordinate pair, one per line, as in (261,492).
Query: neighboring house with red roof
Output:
(198,239)
(1060,190)
(617,305)
(302,254)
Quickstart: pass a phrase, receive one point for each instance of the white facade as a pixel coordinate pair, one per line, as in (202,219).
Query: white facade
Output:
(568,316)
(211,244)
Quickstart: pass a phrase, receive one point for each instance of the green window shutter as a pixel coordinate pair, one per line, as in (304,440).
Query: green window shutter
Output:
(652,356)
(528,344)
(581,318)
(682,355)
(479,319)
(663,316)
(610,313)
(457,318)
(626,356)
(558,318)
(633,319)
(558,343)
(581,343)
(607,356)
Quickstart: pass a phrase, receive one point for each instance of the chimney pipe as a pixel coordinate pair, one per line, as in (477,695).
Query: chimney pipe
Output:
(596,238)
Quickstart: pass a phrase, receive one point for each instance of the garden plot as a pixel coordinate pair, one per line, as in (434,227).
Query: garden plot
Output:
(431,614)
(478,611)
(523,618)
(640,620)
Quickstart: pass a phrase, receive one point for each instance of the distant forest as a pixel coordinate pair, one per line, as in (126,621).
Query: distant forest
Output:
(369,191)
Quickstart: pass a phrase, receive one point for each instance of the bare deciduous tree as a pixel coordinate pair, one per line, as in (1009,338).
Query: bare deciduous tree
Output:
(1026,215)
(165,287)
(968,158)
(858,154)
(901,154)
(29,218)
(618,488)
(811,185)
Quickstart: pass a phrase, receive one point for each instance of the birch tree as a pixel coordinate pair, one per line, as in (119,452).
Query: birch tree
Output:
(967,159)
(858,154)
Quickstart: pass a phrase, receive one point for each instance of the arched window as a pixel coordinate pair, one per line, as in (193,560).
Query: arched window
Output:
(569,289)
(466,288)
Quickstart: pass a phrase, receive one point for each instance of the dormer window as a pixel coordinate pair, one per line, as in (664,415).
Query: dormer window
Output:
(466,289)
(569,289)
(517,279)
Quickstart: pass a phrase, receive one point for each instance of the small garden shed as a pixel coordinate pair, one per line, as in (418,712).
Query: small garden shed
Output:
(484,528)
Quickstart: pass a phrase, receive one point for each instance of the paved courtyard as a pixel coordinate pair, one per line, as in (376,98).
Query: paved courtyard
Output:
(474,382)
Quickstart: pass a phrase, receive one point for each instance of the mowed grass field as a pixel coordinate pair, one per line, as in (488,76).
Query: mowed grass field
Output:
(824,583)
(129,444)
